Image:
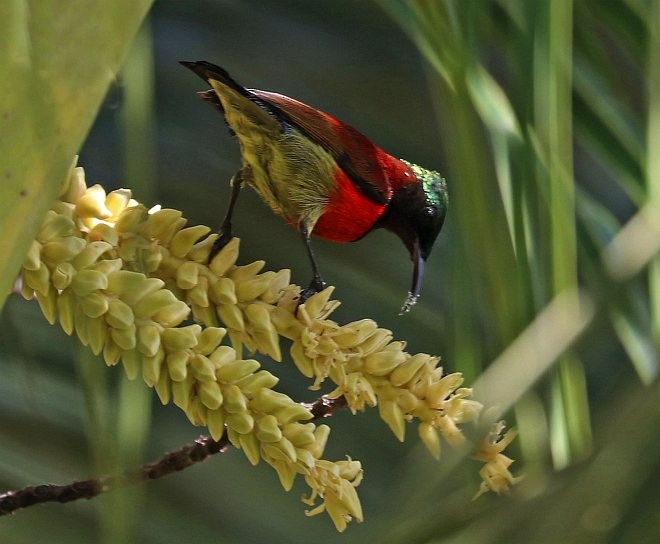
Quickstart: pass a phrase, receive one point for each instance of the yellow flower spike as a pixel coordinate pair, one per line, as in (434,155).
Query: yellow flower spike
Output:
(95,305)
(177,365)
(199,294)
(231,316)
(304,459)
(66,307)
(278,282)
(182,392)
(117,201)
(315,304)
(247,271)
(88,281)
(233,436)
(81,321)
(55,227)
(210,394)
(241,422)
(449,430)
(183,241)
(151,258)
(201,250)
(234,399)
(285,473)
(215,421)
(236,370)
(48,305)
(108,266)
(196,412)
(267,429)
(74,187)
(111,352)
(391,414)
(353,334)
(125,338)
(119,314)
(132,286)
(103,232)
(132,362)
(92,204)
(208,340)
(407,401)
(292,412)
(61,250)
(383,362)
(408,370)
(222,355)
(38,279)
(250,447)
(255,287)
(259,380)
(62,275)
(268,401)
(205,315)
(32,260)
(375,342)
(223,291)
(437,392)
(148,340)
(162,388)
(226,258)
(153,302)
(162,225)
(301,360)
(321,434)
(130,220)
(90,254)
(180,338)
(430,438)
(264,332)
(172,315)
(187,275)
(202,368)
(152,368)
(286,447)
(272,452)
(300,434)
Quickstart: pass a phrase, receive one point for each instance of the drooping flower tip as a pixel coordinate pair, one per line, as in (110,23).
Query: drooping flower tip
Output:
(495,473)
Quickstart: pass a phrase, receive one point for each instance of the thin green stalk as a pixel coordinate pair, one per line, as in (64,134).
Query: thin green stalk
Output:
(570,427)
(653,159)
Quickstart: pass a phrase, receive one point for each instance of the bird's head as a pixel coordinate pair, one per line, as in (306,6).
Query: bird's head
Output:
(416,213)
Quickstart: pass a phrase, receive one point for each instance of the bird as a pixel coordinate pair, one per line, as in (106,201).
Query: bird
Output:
(323,176)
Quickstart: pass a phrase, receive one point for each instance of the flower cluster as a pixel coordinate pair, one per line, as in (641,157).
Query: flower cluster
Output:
(137,286)
(495,473)
(124,279)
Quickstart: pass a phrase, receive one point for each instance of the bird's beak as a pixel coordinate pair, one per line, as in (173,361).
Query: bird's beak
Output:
(418,276)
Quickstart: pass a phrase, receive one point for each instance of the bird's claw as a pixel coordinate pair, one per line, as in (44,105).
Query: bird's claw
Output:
(221,241)
(316,286)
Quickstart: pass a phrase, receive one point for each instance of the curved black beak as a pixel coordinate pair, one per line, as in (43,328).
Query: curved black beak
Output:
(418,275)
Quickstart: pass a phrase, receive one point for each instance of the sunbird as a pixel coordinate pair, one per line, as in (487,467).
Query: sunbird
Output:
(323,176)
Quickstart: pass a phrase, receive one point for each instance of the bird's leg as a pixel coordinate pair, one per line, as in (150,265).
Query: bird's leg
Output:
(317,284)
(225,229)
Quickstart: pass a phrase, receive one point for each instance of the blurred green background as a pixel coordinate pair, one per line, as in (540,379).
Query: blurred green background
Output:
(544,117)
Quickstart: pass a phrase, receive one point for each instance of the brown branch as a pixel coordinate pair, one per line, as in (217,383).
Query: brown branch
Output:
(174,461)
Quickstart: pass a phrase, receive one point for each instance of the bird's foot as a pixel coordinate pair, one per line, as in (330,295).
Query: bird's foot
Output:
(220,242)
(316,286)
